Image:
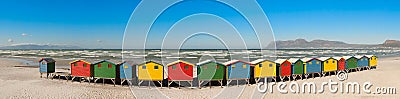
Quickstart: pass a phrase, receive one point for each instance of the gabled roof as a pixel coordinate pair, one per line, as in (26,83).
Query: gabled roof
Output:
(259,61)
(293,60)
(49,60)
(369,56)
(359,56)
(348,57)
(123,63)
(280,61)
(326,58)
(78,61)
(234,61)
(208,61)
(306,59)
(309,59)
(151,62)
(179,61)
(338,58)
(103,61)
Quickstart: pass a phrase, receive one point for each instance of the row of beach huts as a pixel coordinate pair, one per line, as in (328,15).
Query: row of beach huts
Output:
(209,70)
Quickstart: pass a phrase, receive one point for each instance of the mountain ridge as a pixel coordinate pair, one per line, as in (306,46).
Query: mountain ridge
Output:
(318,43)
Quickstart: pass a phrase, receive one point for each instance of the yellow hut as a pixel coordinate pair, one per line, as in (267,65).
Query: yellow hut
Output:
(373,60)
(330,64)
(264,68)
(150,70)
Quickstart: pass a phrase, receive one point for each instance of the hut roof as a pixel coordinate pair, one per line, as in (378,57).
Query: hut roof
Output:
(79,60)
(150,62)
(178,61)
(234,61)
(309,59)
(293,60)
(338,58)
(259,61)
(326,58)
(49,60)
(305,59)
(369,56)
(123,63)
(280,61)
(359,56)
(207,61)
(103,61)
(347,57)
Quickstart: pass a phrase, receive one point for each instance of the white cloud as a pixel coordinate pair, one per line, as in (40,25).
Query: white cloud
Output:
(24,34)
(10,40)
(99,41)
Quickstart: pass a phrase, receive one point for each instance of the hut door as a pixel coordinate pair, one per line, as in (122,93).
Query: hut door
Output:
(43,66)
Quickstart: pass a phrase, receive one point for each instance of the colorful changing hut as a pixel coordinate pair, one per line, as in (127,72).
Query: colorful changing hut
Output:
(373,61)
(47,66)
(341,64)
(284,68)
(264,68)
(329,65)
(297,67)
(238,70)
(362,62)
(124,71)
(351,63)
(150,71)
(312,66)
(81,69)
(210,70)
(105,70)
(180,71)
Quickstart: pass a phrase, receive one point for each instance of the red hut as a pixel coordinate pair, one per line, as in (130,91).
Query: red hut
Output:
(180,71)
(285,68)
(341,63)
(80,68)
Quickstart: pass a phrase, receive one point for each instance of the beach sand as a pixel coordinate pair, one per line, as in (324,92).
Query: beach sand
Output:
(20,82)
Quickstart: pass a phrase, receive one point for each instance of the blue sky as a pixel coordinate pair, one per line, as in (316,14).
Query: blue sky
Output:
(101,23)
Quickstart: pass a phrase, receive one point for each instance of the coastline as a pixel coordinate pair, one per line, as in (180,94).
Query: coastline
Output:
(23,82)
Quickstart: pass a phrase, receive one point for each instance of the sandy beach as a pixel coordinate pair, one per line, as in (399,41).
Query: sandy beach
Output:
(21,82)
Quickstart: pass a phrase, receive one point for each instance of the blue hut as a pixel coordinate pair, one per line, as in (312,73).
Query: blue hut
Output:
(312,66)
(362,61)
(125,71)
(47,65)
(238,70)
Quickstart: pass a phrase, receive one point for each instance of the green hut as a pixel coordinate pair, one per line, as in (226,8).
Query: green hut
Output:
(351,62)
(105,70)
(297,66)
(210,70)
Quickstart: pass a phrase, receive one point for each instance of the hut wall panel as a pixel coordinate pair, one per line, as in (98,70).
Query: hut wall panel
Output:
(267,69)
(180,72)
(43,67)
(373,61)
(330,65)
(285,69)
(209,71)
(149,73)
(351,63)
(342,64)
(239,72)
(80,70)
(104,71)
(313,66)
(125,71)
(362,62)
(298,67)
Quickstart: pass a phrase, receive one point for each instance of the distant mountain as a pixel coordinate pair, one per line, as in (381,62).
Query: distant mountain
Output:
(39,46)
(304,44)
(391,43)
